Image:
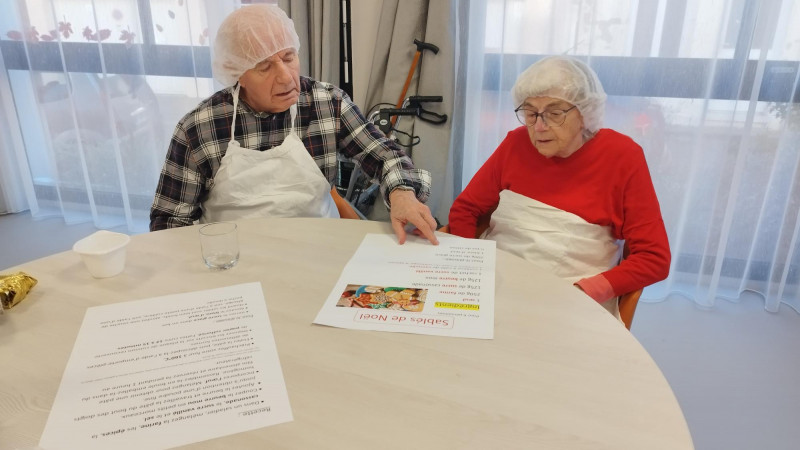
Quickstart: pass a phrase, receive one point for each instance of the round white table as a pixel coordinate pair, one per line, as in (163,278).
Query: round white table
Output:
(561,373)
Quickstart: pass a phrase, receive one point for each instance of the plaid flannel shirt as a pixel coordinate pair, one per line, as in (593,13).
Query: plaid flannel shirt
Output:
(329,124)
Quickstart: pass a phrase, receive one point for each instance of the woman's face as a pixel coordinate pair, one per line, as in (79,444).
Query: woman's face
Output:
(273,85)
(562,140)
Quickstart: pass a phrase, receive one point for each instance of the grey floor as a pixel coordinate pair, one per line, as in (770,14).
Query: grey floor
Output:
(735,369)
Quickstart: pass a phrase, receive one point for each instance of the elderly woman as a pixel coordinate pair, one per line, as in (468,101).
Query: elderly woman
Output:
(562,191)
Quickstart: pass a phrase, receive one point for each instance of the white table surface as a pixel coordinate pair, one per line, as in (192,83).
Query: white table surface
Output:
(561,373)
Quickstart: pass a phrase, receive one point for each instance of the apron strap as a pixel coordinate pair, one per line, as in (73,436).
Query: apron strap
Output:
(293,115)
(235,105)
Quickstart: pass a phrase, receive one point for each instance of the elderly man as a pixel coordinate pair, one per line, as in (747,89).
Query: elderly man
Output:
(267,144)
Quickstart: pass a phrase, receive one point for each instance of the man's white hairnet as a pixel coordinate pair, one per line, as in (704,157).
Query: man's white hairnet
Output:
(566,79)
(248,36)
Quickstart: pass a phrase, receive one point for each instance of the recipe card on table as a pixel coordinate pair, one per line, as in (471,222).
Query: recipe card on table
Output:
(170,371)
(444,290)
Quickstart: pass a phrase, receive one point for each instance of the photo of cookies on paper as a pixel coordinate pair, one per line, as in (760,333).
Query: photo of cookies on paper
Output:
(380,297)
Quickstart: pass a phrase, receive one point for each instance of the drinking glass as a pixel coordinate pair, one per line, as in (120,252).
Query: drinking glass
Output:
(219,245)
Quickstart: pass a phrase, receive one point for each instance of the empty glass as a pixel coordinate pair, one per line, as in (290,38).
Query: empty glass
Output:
(219,245)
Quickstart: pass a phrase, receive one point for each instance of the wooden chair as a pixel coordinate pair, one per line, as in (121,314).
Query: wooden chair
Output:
(627,302)
(346,210)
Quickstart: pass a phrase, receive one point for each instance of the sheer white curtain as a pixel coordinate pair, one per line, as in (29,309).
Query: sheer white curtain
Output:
(709,89)
(97,88)
(91,90)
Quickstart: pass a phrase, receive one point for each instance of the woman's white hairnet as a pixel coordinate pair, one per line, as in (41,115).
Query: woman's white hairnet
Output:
(248,36)
(566,79)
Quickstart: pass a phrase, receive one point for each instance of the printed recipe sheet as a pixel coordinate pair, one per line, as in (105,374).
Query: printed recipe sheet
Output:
(170,371)
(445,290)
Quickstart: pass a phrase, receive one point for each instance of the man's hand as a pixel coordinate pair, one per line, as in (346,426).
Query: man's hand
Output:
(406,208)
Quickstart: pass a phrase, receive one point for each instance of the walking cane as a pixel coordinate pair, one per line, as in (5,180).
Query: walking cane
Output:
(417,61)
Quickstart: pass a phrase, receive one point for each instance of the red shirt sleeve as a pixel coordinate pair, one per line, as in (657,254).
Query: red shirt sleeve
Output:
(643,230)
(597,287)
(481,195)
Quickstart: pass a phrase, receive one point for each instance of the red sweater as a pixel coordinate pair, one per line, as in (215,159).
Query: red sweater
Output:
(606,182)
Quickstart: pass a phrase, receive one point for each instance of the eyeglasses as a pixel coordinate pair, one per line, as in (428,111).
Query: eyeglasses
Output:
(551,117)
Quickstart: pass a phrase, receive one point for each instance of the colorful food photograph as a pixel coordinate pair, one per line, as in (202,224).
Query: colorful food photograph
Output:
(380,297)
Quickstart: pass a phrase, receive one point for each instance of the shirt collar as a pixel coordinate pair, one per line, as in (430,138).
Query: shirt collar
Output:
(248,109)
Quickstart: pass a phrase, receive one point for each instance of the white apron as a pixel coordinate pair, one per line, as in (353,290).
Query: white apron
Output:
(558,241)
(283,181)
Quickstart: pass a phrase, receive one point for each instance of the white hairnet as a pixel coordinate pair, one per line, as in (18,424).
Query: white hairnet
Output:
(566,79)
(248,36)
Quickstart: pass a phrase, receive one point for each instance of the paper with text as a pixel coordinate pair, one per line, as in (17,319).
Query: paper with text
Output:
(445,290)
(170,371)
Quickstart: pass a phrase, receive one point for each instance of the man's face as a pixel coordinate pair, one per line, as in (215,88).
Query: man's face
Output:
(273,85)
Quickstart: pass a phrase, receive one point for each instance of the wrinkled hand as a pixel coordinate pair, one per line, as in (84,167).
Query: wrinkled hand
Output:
(406,208)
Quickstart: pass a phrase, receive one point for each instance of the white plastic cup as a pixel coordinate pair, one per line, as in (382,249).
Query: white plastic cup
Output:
(103,253)
(219,245)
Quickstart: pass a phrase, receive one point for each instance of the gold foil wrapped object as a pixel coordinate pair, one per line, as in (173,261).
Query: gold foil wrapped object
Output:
(14,287)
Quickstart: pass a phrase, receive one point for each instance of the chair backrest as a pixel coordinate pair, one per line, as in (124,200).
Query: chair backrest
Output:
(627,306)
(627,301)
(346,210)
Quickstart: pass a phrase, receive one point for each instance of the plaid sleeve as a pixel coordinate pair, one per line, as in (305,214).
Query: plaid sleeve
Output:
(378,156)
(180,186)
